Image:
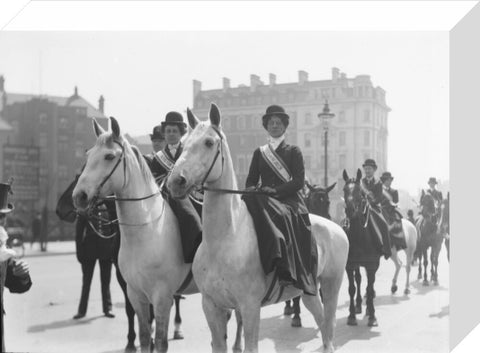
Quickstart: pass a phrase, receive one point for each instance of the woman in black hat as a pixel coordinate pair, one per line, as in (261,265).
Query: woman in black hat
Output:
(390,212)
(173,128)
(281,218)
(14,274)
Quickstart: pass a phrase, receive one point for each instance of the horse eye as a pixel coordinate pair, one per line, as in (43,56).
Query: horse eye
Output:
(109,157)
(209,143)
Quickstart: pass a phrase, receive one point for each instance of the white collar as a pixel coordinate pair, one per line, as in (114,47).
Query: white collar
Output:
(275,141)
(174,146)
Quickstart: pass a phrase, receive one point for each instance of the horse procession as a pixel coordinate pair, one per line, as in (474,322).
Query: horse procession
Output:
(182,225)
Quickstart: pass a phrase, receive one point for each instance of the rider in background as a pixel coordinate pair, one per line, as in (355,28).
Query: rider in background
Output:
(281,217)
(390,212)
(158,143)
(436,194)
(173,128)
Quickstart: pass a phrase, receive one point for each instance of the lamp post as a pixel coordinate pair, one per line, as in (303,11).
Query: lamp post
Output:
(325,117)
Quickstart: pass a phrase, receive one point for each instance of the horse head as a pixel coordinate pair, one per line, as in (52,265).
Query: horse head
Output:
(105,171)
(318,201)
(353,194)
(203,158)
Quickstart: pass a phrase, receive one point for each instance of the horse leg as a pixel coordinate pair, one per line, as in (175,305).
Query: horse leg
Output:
(288,310)
(251,323)
(425,266)
(398,265)
(352,320)
(447,246)
(237,346)
(315,306)
(177,334)
(217,319)
(142,309)
(372,320)
(162,306)
(358,281)
(410,254)
(420,253)
(331,289)
(129,311)
(296,321)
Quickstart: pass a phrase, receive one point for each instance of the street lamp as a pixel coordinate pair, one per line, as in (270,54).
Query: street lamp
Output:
(325,117)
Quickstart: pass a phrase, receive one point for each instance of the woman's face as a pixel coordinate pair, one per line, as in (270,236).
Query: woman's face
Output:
(369,171)
(172,134)
(275,127)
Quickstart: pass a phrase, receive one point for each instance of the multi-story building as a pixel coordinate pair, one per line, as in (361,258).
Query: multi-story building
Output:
(60,128)
(357,132)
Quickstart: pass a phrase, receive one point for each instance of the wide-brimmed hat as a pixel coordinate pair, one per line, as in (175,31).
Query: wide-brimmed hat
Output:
(386,176)
(157,133)
(370,163)
(432,180)
(5,207)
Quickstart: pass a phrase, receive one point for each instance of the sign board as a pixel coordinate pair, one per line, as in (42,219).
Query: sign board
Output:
(23,164)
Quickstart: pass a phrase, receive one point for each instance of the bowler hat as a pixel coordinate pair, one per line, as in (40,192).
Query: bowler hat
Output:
(275,110)
(432,180)
(370,163)
(5,207)
(386,176)
(157,133)
(173,118)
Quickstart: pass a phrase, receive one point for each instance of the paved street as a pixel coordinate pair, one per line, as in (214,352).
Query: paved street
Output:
(41,319)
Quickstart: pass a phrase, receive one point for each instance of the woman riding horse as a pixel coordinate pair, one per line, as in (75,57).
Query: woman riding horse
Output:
(281,216)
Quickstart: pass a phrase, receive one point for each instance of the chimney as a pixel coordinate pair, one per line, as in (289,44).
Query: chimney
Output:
(226,84)
(254,82)
(302,77)
(197,87)
(272,80)
(335,74)
(101,104)
(75,92)
(2,84)
(343,76)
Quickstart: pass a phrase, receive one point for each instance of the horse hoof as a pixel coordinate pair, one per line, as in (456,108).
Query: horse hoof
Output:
(296,322)
(352,321)
(407,291)
(130,348)
(178,335)
(372,321)
(394,289)
(425,283)
(288,311)
(435,282)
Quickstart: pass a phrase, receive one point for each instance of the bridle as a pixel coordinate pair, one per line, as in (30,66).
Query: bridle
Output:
(353,208)
(97,200)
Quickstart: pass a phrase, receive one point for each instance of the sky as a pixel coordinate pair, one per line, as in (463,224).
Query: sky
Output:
(143,75)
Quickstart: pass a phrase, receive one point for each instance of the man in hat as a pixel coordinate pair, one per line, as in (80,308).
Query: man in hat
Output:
(280,216)
(410,216)
(14,274)
(188,217)
(377,225)
(436,194)
(390,212)
(158,143)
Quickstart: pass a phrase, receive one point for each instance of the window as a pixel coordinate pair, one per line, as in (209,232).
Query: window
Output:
(342,138)
(342,161)
(366,138)
(366,115)
(43,118)
(63,122)
(248,122)
(243,140)
(241,164)
(360,91)
(241,122)
(308,162)
(308,118)
(226,122)
(308,140)
(42,139)
(333,92)
(341,117)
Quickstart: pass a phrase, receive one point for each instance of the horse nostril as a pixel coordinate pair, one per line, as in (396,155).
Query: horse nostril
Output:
(181,180)
(81,199)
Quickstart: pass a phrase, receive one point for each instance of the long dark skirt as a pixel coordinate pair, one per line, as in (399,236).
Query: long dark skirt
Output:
(378,227)
(284,240)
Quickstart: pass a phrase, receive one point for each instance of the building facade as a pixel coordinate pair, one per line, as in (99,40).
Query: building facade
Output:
(357,132)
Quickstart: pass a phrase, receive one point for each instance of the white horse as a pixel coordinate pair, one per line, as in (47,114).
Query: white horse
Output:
(227,267)
(411,239)
(151,256)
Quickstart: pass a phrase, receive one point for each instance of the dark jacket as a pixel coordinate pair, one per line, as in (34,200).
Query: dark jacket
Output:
(261,174)
(92,246)
(158,171)
(393,194)
(15,284)
(375,188)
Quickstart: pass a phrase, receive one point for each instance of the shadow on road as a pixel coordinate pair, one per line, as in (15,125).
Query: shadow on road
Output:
(61,324)
(345,333)
(444,312)
(421,289)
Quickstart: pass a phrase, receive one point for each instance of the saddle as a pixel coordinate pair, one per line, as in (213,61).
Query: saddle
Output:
(395,229)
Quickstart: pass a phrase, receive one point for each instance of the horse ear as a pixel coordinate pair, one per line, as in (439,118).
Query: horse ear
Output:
(115,127)
(330,187)
(345,175)
(192,119)
(97,128)
(359,175)
(214,115)
(310,187)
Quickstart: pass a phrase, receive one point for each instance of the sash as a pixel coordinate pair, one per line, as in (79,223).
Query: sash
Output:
(164,160)
(275,162)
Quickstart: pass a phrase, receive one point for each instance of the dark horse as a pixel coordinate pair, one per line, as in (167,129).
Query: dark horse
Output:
(362,252)
(66,212)
(444,223)
(318,203)
(430,236)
